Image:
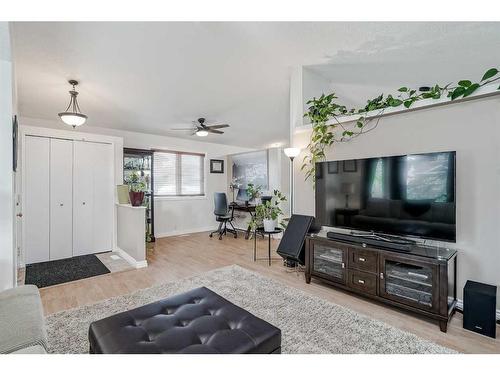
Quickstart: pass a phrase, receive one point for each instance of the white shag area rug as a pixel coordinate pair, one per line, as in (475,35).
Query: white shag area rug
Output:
(309,324)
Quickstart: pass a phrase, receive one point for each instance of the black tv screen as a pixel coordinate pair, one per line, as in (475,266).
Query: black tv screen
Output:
(405,195)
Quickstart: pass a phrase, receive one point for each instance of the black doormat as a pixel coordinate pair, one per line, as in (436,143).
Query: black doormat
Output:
(64,270)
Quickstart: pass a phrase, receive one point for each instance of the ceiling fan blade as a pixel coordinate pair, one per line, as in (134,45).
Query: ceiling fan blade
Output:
(210,130)
(221,126)
(185,129)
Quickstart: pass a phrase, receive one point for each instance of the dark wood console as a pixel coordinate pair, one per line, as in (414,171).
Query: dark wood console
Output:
(421,279)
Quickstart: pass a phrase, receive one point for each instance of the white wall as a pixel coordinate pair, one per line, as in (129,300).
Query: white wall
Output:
(473,130)
(172,215)
(7,259)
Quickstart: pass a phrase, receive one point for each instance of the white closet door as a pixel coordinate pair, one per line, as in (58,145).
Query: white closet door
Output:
(104,197)
(83,191)
(36,199)
(61,199)
(93,198)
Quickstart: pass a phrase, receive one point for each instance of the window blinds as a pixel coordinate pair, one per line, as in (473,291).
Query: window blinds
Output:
(178,174)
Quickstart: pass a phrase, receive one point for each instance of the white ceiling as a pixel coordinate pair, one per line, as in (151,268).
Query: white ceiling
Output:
(150,77)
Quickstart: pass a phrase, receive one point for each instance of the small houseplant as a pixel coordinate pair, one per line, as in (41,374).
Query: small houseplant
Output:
(267,213)
(137,189)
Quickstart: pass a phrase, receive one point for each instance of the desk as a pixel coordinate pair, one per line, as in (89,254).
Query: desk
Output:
(250,208)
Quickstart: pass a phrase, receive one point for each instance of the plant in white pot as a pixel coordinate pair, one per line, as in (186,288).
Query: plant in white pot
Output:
(268,212)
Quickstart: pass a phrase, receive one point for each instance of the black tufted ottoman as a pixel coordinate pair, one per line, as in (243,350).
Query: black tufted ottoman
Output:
(199,321)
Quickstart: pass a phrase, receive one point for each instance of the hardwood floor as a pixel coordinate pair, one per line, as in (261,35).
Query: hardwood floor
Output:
(182,256)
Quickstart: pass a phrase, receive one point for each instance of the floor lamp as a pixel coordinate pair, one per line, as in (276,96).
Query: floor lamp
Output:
(291,152)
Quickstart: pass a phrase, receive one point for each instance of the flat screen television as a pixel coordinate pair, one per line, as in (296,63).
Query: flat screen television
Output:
(405,195)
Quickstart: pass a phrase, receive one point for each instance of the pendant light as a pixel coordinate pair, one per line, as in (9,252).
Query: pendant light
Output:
(73,116)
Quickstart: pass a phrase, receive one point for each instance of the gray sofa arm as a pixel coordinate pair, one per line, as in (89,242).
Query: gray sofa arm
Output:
(21,319)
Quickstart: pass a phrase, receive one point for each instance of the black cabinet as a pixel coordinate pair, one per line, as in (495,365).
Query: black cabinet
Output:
(421,280)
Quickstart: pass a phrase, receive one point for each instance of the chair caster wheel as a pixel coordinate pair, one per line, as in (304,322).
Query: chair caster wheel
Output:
(210,235)
(235,236)
(220,238)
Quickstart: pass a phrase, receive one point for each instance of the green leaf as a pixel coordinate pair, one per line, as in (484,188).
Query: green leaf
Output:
(403,89)
(408,103)
(465,83)
(471,89)
(490,73)
(457,92)
(396,102)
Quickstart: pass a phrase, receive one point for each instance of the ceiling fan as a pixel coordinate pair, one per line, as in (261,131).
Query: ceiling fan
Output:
(202,130)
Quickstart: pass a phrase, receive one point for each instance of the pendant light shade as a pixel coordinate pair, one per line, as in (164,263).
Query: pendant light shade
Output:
(73,116)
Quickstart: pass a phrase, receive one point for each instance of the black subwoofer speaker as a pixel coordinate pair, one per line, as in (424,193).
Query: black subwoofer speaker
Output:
(480,302)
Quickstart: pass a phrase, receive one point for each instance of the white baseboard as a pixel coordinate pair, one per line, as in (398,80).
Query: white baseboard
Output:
(179,232)
(134,263)
(460,306)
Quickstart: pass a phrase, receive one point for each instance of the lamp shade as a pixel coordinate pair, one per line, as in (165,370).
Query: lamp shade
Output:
(292,152)
(347,188)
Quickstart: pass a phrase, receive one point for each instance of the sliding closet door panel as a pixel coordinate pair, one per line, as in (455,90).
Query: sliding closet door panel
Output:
(83,191)
(61,199)
(36,199)
(103,197)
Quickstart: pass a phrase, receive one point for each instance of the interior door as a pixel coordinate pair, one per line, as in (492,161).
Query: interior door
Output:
(36,166)
(61,199)
(103,199)
(83,192)
(411,282)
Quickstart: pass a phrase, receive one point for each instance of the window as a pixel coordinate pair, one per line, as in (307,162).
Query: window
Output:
(377,188)
(428,177)
(178,174)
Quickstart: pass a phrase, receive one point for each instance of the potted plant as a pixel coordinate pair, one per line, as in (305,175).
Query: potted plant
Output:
(267,213)
(137,189)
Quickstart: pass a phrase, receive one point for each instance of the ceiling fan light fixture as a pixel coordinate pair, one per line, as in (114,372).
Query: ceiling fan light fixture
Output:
(73,116)
(201,133)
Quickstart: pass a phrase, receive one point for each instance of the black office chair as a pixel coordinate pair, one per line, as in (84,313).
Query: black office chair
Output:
(223,216)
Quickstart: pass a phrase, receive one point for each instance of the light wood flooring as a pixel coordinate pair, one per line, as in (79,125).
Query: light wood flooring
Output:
(181,256)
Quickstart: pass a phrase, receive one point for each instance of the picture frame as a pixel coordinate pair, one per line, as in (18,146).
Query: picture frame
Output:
(216,166)
(333,167)
(350,166)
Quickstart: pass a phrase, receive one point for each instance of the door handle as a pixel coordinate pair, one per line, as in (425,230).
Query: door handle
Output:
(343,265)
(83,203)
(362,259)
(20,214)
(61,204)
(361,281)
(381,275)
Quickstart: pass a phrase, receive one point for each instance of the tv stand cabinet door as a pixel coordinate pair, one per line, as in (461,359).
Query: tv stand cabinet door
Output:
(411,282)
(328,261)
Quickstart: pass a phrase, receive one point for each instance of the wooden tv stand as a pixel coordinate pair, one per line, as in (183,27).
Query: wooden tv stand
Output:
(421,280)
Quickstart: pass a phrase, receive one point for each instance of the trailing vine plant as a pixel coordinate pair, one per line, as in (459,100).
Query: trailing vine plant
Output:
(324,113)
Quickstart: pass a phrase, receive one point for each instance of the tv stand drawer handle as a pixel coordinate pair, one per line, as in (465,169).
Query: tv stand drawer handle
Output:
(362,259)
(361,281)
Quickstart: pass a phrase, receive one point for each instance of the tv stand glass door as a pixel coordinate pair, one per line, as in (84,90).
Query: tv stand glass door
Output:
(413,283)
(330,261)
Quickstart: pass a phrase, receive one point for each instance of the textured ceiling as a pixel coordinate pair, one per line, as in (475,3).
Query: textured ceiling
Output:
(150,77)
